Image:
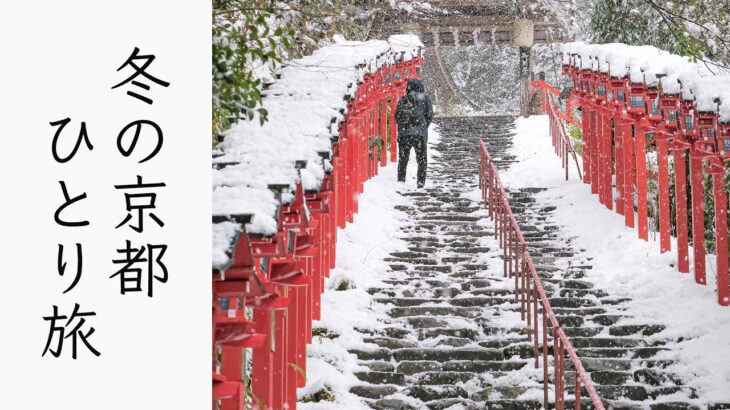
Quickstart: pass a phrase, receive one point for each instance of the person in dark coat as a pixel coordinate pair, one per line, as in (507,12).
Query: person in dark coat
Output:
(413,116)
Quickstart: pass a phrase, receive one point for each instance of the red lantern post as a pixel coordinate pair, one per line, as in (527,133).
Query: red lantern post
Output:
(689,133)
(669,106)
(636,108)
(662,138)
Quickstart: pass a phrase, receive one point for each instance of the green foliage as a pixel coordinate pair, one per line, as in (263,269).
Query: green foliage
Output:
(345,284)
(324,394)
(251,36)
(576,138)
(377,147)
(324,332)
(243,39)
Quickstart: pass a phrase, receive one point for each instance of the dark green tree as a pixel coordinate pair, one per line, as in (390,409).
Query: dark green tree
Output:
(694,28)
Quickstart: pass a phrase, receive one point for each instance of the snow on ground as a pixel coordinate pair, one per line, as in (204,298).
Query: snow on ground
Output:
(626,266)
(361,248)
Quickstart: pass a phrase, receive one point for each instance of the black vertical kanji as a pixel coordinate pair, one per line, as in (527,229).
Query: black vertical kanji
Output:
(131,275)
(140,202)
(60,333)
(140,70)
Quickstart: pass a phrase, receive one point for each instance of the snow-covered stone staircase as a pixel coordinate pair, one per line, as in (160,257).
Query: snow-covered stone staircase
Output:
(454,338)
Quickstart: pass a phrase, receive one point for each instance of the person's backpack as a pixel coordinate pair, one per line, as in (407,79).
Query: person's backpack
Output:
(412,112)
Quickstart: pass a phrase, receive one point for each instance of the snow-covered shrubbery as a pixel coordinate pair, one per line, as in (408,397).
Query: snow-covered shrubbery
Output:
(305,107)
(252,38)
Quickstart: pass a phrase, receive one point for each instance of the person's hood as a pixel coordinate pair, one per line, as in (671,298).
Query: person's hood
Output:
(415,85)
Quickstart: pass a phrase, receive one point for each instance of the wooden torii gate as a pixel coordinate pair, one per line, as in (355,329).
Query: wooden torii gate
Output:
(472,22)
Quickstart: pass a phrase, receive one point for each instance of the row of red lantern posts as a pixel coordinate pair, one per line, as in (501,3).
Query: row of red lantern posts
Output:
(280,278)
(621,120)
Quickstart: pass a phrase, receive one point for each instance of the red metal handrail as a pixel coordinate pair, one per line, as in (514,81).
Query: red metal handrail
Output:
(529,291)
(561,140)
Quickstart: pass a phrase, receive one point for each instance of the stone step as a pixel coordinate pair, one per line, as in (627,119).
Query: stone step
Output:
(445,355)
(370,391)
(617,353)
(605,342)
(413,261)
(392,404)
(481,366)
(513,404)
(448,332)
(376,354)
(444,377)
(501,393)
(629,330)
(434,311)
(480,301)
(389,342)
(382,378)
(379,366)
(430,393)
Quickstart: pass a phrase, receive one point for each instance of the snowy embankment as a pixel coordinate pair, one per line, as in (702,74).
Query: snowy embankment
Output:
(361,249)
(628,267)
(305,109)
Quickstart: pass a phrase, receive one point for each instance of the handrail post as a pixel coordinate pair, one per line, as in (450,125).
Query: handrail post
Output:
(545,355)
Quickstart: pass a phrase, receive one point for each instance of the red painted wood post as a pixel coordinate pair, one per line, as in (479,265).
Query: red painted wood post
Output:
(618,135)
(607,160)
(348,168)
(352,160)
(364,151)
(303,312)
(680,197)
(362,162)
(600,154)
(663,180)
(393,129)
(630,173)
(231,362)
(262,371)
(641,172)
(292,346)
(723,285)
(340,170)
(384,129)
(595,151)
(373,133)
(698,218)
(586,144)
(281,373)
(316,287)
